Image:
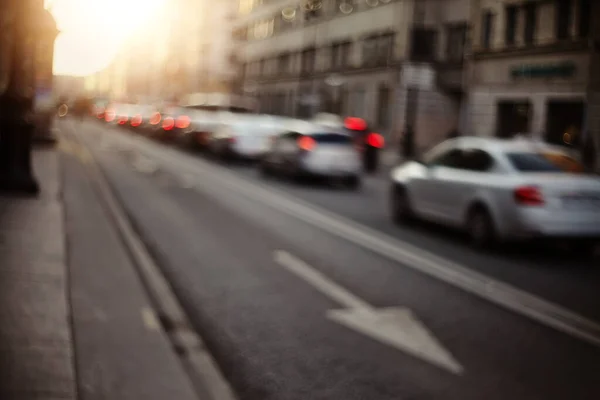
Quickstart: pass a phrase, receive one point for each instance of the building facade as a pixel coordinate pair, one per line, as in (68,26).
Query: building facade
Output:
(531,67)
(184,48)
(351,57)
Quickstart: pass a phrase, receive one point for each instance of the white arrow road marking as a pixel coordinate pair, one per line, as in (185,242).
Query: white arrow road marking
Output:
(150,321)
(396,327)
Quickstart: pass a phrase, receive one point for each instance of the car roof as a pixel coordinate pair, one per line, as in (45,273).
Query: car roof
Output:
(512,145)
(311,128)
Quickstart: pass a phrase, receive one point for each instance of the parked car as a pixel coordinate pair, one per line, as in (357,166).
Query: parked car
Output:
(243,137)
(204,113)
(304,149)
(499,191)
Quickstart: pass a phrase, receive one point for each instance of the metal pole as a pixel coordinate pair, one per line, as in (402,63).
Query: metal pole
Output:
(412,95)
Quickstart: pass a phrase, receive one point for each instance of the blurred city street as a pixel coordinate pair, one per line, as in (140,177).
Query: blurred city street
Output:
(310,291)
(299,200)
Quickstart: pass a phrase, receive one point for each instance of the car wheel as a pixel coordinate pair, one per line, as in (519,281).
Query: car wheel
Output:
(400,206)
(480,228)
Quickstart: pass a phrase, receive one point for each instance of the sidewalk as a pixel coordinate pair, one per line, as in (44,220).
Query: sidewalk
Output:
(36,360)
(75,320)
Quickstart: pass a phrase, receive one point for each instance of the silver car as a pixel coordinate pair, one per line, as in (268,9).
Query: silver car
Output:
(305,149)
(243,136)
(500,190)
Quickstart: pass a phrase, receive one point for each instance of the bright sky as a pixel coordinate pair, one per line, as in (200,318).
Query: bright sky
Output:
(93,30)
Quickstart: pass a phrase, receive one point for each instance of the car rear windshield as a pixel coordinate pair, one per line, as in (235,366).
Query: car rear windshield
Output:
(332,138)
(544,162)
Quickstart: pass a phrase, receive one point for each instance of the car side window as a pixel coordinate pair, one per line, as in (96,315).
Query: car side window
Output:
(476,160)
(451,158)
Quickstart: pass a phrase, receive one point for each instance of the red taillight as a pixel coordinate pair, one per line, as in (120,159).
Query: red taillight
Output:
(136,120)
(529,196)
(183,122)
(375,140)
(110,116)
(355,124)
(122,120)
(306,143)
(155,120)
(168,124)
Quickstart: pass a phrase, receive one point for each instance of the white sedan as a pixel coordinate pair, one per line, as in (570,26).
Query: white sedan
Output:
(243,136)
(500,190)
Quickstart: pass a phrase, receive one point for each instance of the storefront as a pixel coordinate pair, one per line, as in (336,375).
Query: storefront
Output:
(543,95)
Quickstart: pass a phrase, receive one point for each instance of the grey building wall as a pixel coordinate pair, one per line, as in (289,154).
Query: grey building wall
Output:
(491,73)
(365,88)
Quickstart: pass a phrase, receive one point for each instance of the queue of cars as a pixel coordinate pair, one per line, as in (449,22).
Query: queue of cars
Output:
(228,129)
(495,190)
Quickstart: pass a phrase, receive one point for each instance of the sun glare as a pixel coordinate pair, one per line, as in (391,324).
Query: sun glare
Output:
(92,31)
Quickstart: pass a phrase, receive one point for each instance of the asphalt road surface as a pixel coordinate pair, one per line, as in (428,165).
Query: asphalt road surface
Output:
(310,292)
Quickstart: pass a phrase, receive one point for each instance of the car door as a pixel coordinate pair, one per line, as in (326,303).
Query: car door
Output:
(288,150)
(430,191)
(457,181)
(278,153)
(470,180)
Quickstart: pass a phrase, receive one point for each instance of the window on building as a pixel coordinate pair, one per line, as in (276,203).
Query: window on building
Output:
(308,60)
(424,44)
(514,118)
(262,67)
(340,55)
(530,23)
(487,28)
(563,18)
(345,50)
(585,11)
(283,64)
(335,56)
(263,29)
(383,106)
(455,43)
(369,51)
(385,48)
(510,28)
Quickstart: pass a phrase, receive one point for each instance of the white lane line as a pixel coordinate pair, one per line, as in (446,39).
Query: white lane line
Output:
(320,281)
(455,274)
(150,320)
(397,327)
(198,361)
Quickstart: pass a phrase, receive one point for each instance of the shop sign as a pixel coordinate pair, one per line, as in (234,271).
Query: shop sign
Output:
(559,70)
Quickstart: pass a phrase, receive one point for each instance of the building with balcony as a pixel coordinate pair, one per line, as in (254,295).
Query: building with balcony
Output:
(351,57)
(531,68)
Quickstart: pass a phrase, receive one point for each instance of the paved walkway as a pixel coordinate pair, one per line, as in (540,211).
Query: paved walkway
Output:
(36,357)
(76,324)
